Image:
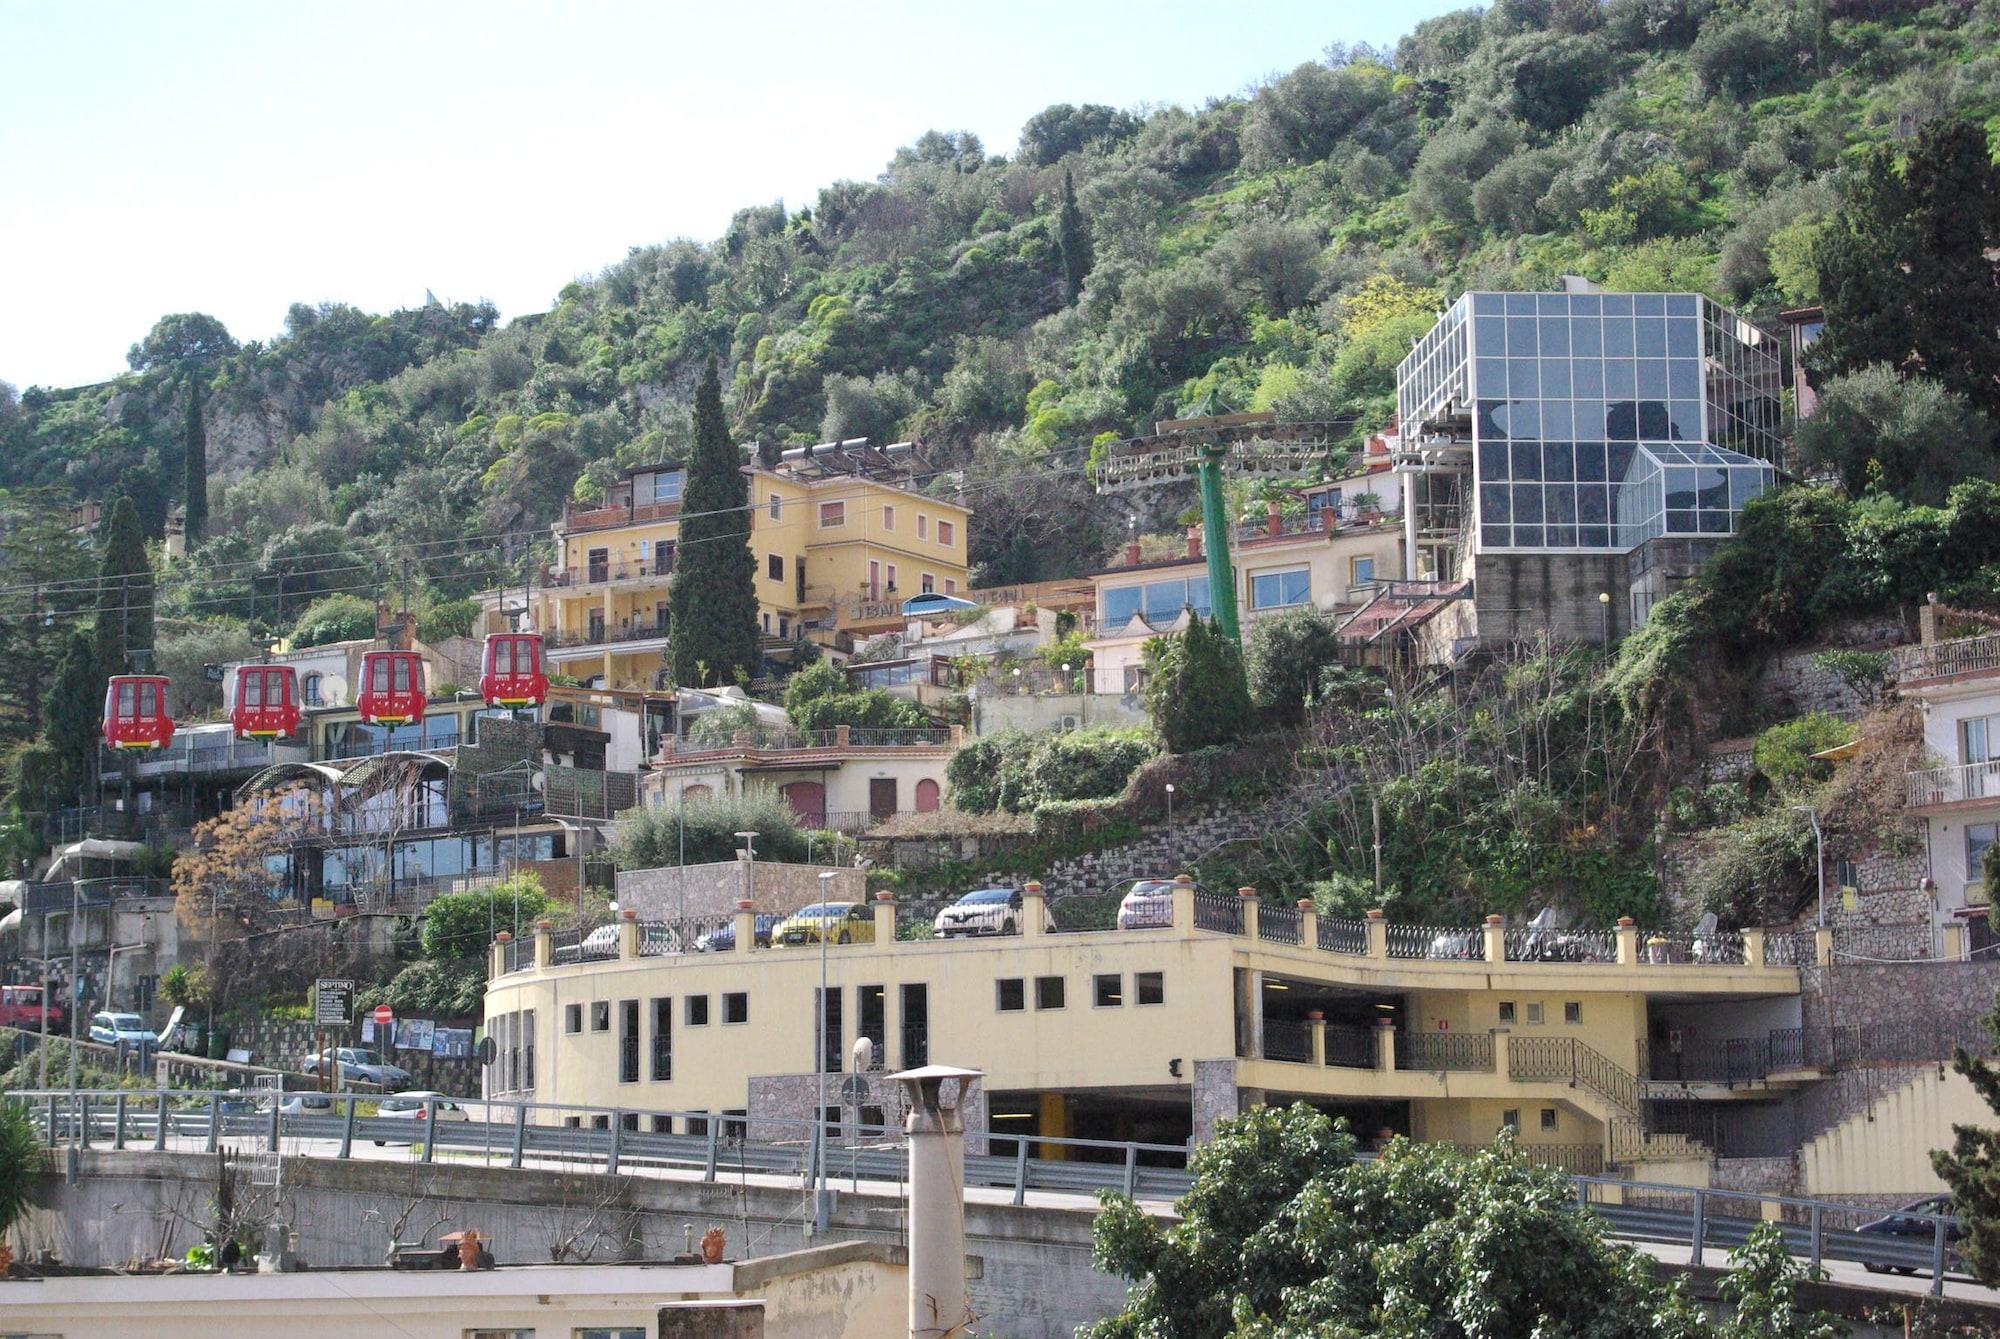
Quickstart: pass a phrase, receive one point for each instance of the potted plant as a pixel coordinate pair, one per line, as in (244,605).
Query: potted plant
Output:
(1368,507)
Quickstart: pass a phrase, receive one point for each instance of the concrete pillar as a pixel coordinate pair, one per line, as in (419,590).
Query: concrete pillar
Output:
(628,933)
(1034,910)
(545,947)
(1496,939)
(1247,899)
(841,736)
(746,925)
(1316,1028)
(1378,934)
(1823,945)
(1628,942)
(1500,1044)
(1385,1045)
(1308,924)
(885,917)
(499,954)
(940,1305)
(1183,896)
(1753,947)
(1954,941)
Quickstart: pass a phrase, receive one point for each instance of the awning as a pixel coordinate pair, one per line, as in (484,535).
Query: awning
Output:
(923,606)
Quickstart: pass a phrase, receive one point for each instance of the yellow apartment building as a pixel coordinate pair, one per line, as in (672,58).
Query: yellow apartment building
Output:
(1154,1033)
(837,552)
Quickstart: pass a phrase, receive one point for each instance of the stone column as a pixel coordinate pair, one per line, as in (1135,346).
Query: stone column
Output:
(1628,942)
(628,933)
(1213,1096)
(499,954)
(1385,1045)
(1378,934)
(1246,898)
(1500,1044)
(885,917)
(1316,1028)
(1823,945)
(1496,939)
(746,925)
(545,948)
(1753,947)
(1308,924)
(1183,896)
(1034,910)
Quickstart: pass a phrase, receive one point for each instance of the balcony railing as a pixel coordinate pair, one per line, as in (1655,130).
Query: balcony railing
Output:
(603,574)
(618,514)
(643,632)
(1949,785)
(1321,521)
(1938,660)
(1436,1052)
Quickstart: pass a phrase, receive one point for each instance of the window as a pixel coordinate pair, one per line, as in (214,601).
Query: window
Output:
(311,690)
(667,487)
(774,568)
(1275,590)
(629,1121)
(888,518)
(927,583)
(784,625)
(833,1025)
(950,586)
(623,1332)
(945,532)
(663,1125)
(1360,571)
(696,1011)
(1506,1011)
(832,515)
(777,507)
(1010,995)
(1159,601)
(1573,1012)
(572,1018)
(1150,987)
(1510,1119)
(923,526)
(1107,990)
(663,1039)
(870,1002)
(1534,1013)
(767,622)
(1548,1118)
(600,1016)
(1048,992)
(892,576)
(528,1050)
(1978,836)
(916,1024)
(499,1334)
(736,1006)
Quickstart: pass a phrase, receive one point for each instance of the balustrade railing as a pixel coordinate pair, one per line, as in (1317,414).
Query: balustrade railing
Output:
(1949,785)
(1349,1046)
(1339,935)
(1436,1052)
(1531,945)
(1287,1039)
(1567,1060)
(1217,911)
(1937,660)
(1717,947)
(1279,925)
(1442,942)
(1789,950)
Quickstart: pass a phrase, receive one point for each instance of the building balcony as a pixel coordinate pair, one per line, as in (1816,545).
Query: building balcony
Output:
(1941,787)
(597,575)
(574,645)
(768,746)
(578,520)
(1324,521)
(1945,660)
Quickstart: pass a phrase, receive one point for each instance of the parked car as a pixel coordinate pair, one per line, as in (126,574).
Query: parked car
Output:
(417,1107)
(354,1064)
(840,922)
(1147,904)
(308,1104)
(121,1030)
(986,911)
(1922,1230)
(21,1007)
(722,939)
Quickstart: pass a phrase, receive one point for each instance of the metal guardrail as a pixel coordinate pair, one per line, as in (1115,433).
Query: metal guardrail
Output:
(1218,911)
(1437,1052)
(1937,660)
(713,1146)
(1279,925)
(1339,935)
(1949,785)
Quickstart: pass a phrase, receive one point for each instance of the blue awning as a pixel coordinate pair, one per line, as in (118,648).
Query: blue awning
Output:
(922,605)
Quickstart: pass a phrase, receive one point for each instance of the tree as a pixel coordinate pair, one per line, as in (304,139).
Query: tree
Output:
(23,1159)
(194,449)
(188,347)
(713,601)
(1912,439)
(1971,1167)
(1195,690)
(1073,239)
(48,581)
(1061,129)
(1906,273)
(459,926)
(334,618)
(819,697)
(1283,658)
(73,718)
(1285,1232)
(124,621)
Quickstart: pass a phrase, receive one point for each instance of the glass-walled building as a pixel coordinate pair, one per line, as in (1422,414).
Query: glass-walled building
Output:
(1599,421)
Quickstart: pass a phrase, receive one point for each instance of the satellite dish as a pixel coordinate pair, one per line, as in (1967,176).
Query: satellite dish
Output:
(333,690)
(538,782)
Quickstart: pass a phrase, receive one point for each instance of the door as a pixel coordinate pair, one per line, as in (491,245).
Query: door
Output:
(663,556)
(927,796)
(882,797)
(807,800)
(600,564)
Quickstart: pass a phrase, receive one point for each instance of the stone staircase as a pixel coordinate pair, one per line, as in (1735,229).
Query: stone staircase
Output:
(1620,1105)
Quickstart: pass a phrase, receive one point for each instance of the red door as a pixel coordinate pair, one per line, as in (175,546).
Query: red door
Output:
(808,802)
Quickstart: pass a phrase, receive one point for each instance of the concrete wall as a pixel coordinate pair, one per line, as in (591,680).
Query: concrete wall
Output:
(1885,1148)
(1520,597)
(992,713)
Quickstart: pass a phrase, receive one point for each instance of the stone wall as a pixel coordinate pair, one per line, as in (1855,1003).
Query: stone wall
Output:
(794,1097)
(1790,686)
(1521,597)
(1163,850)
(284,1043)
(1759,1176)
(710,892)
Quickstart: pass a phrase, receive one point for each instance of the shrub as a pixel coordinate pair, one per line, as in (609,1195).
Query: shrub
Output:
(1023,773)
(1784,753)
(1758,872)
(334,618)
(819,697)
(1866,672)
(451,618)
(651,838)
(1195,690)
(719,728)
(1283,658)
(458,926)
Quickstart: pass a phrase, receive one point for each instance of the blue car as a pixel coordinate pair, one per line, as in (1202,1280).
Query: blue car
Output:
(722,939)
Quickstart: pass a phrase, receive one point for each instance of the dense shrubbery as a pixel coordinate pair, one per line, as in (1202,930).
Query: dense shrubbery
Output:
(1195,687)
(1784,753)
(1283,659)
(458,927)
(819,697)
(652,837)
(1023,773)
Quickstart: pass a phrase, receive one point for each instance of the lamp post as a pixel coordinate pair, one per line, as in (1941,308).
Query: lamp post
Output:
(1170,804)
(819,1061)
(1819,855)
(1068,687)
(75,986)
(1604,608)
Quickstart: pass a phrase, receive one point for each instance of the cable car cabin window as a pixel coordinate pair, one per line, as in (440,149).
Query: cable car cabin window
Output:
(378,675)
(253,690)
(149,699)
(402,676)
(126,698)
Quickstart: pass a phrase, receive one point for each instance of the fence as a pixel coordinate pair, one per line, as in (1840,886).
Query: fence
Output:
(1218,911)
(1337,935)
(1439,1052)
(1350,1047)
(1280,925)
(1531,945)
(1437,941)
(1717,947)
(1566,1060)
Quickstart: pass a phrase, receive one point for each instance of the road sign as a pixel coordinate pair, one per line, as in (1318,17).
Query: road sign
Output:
(384,1015)
(853,1090)
(487,1050)
(333,1001)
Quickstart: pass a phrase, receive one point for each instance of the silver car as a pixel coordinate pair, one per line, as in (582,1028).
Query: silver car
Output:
(1147,905)
(986,911)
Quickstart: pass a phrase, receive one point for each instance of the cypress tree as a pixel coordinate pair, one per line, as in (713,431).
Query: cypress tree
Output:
(124,592)
(713,601)
(1971,1166)
(1073,237)
(1196,692)
(195,445)
(73,713)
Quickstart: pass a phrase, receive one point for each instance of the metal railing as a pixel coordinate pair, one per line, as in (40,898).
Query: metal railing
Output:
(518,955)
(1349,1046)
(1567,1060)
(1789,950)
(1339,935)
(642,632)
(1716,948)
(1937,660)
(1526,945)
(1279,925)
(1218,911)
(1728,1060)
(598,574)
(1949,785)
(1288,1039)
(1445,943)
(1442,1052)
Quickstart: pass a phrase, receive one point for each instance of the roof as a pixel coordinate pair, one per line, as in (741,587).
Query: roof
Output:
(934,603)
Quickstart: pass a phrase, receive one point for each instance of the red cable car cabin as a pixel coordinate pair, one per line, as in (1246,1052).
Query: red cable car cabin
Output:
(512,671)
(135,712)
(392,688)
(267,701)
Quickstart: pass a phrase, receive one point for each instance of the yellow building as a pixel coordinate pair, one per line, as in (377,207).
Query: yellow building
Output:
(837,552)
(1154,1033)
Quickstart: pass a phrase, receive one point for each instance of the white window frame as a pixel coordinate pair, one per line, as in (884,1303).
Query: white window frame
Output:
(833,515)
(1279,575)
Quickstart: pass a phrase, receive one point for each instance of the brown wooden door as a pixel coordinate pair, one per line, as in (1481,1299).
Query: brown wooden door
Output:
(882,797)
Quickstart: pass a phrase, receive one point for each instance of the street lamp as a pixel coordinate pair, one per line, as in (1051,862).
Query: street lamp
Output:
(1170,804)
(749,855)
(1604,607)
(819,1061)
(1819,854)
(1068,687)
(1017,681)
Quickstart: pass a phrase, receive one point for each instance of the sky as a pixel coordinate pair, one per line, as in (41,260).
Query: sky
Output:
(235,158)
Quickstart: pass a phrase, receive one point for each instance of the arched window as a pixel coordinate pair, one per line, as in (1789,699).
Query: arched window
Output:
(311,690)
(695,792)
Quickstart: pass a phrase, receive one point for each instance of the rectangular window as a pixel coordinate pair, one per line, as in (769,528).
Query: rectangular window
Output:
(1978,836)
(927,583)
(774,568)
(663,1125)
(1506,1011)
(1010,995)
(1048,992)
(888,518)
(1548,1118)
(528,1048)
(784,625)
(1573,1012)
(667,487)
(1510,1120)
(628,1041)
(871,1002)
(1276,590)
(618,1332)
(776,506)
(572,1018)
(916,1025)
(832,515)
(1150,987)
(629,1120)
(736,1006)
(831,1021)
(1360,571)
(945,532)
(1535,1013)
(923,526)
(600,1016)
(499,1334)
(1107,990)
(663,1039)
(695,1011)
(950,586)
(892,576)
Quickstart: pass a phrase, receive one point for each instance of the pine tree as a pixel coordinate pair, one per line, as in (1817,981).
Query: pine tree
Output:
(124,593)
(1971,1167)
(713,602)
(1073,237)
(195,445)
(48,574)
(73,716)
(1196,692)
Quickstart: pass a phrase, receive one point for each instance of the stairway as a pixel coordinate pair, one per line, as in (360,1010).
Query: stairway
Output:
(1567,1060)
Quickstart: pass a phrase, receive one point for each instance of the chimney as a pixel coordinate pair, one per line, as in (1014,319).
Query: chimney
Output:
(1273,524)
(1194,541)
(939,1304)
(1132,554)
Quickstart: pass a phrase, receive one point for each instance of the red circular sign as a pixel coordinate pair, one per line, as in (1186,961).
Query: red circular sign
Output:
(384,1015)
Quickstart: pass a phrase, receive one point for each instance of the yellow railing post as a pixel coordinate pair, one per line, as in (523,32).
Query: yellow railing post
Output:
(1246,898)
(1034,910)
(1627,935)
(1378,934)
(885,916)
(1496,939)
(545,944)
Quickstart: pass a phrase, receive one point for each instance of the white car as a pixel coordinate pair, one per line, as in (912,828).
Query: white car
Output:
(1147,905)
(416,1107)
(986,911)
(309,1104)
(121,1030)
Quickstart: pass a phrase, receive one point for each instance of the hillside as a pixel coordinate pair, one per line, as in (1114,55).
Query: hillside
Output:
(1278,248)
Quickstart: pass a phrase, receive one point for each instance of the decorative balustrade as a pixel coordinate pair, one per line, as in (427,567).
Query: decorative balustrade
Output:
(1217,911)
(1443,942)
(1350,1047)
(1531,945)
(1280,925)
(1938,660)
(1339,935)
(1567,1060)
(1717,947)
(1950,785)
(1288,1039)
(1789,950)
(1439,1052)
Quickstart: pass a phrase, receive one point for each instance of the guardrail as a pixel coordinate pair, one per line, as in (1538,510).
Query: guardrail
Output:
(1949,785)
(1440,1052)
(711,1147)
(1937,660)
